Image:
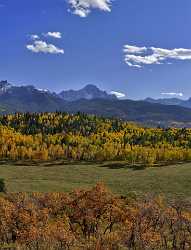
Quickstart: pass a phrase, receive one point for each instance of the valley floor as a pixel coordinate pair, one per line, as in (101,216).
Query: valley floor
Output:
(173,181)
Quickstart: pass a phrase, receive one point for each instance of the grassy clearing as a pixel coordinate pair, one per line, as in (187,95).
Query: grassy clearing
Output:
(173,181)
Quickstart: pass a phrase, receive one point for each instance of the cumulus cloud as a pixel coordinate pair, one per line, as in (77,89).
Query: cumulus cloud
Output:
(34,37)
(54,34)
(173,94)
(134,49)
(118,94)
(43,47)
(139,56)
(83,7)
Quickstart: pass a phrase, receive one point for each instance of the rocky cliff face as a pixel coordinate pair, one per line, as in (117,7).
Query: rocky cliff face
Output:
(89,92)
(4,87)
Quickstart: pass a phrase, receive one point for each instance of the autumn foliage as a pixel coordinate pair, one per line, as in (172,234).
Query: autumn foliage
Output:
(52,136)
(93,219)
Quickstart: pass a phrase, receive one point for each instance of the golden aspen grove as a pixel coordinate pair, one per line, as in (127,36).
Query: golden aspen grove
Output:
(52,136)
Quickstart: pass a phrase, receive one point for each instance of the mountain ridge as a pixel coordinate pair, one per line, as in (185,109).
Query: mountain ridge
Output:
(170,101)
(30,99)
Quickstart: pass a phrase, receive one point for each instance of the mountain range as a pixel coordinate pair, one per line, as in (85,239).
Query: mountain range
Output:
(92,100)
(171,101)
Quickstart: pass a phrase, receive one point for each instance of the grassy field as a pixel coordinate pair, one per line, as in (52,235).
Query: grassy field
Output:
(173,181)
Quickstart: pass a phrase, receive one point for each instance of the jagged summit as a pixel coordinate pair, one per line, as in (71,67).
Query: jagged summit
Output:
(4,86)
(90,87)
(89,92)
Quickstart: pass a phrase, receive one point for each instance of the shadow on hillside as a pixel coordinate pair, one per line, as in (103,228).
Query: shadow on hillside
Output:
(53,163)
(48,163)
(118,165)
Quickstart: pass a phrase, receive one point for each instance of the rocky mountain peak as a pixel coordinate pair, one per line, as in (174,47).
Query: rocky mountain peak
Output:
(89,92)
(4,86)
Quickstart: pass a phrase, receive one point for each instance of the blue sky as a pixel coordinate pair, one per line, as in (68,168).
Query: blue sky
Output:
(91,47)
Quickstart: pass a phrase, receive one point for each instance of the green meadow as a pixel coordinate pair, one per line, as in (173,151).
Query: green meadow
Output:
(173,181)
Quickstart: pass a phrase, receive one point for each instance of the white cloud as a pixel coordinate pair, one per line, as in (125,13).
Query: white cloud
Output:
(54,34)
(83,7)
(118,94)
(139,56)
(173,94)
(34,37)
(133,65)
(43,47)
(134,49)
(81,12)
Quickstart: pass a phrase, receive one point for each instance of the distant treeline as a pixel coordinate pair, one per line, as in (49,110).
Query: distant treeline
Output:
(52,136)
(92,219)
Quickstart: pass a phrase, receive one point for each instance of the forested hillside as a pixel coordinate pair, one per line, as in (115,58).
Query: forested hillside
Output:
(138,111)
(51,136)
